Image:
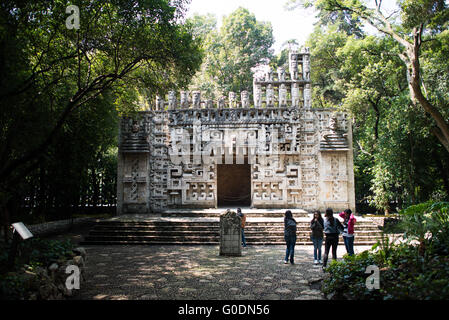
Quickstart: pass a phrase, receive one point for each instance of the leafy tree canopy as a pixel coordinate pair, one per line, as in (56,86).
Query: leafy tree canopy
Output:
(51,75)
(241,44)
(399,156)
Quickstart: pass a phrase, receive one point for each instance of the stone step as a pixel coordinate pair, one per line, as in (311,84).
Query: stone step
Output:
(274,239)
(206,231)
(195,228)
(179,243)
(182,243)
(216,224)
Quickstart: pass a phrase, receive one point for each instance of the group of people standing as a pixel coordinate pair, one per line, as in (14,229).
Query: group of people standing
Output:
(327,229)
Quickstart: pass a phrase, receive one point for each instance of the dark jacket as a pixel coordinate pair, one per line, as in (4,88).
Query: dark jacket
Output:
(289,228)
(332,229)
(317,229)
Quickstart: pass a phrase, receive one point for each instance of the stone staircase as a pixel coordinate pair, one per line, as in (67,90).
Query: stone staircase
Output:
(205,231)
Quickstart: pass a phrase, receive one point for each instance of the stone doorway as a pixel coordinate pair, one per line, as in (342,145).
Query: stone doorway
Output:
(234,185)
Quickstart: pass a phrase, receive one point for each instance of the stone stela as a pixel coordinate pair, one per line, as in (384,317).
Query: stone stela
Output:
(272,152)
(230,234)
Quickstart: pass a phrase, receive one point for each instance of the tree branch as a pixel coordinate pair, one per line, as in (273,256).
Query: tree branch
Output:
(362,150)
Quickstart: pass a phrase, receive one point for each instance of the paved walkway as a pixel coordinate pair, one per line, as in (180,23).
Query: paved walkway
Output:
(199,273)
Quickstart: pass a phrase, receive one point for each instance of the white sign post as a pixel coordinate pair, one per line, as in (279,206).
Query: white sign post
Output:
(20,232)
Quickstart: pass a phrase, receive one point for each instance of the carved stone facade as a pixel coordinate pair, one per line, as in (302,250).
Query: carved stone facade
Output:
(298,157)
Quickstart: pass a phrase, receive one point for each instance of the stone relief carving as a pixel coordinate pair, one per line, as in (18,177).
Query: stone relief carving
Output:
(257,95)
(306,65)
(222,102)
(269,75)
(289,146)
(283,95)
(296,99)
(307,96)
(196,99)
(293,64)
(209,104)
(134,175)
(135,126)
(270,95)
(159,103)
(232,100)
(172,100)
(333,137)
(245,99)
(281,74)
(184,99)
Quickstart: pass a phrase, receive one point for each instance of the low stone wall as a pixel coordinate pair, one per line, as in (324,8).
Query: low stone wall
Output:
(383,221)
(52,227)
(378,221)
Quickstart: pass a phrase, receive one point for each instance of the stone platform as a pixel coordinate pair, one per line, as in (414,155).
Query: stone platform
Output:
(215,212)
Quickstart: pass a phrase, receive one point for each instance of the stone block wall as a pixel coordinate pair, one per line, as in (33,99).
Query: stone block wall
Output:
(297,160)
(300,157)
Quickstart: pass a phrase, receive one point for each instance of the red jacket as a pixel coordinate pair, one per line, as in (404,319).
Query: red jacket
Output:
(351,222)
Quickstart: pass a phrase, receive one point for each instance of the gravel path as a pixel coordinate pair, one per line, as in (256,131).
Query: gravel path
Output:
(199,273)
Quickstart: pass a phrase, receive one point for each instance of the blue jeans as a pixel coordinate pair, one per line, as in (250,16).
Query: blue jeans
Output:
(290,252)
(349,244)
(243,238)
(317,244)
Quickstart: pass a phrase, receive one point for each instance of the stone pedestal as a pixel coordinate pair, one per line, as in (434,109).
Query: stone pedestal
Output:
(230,234)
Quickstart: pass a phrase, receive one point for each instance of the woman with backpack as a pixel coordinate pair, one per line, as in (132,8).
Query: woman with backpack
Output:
(317,226)
(348,230)
(289,236)
(332,229)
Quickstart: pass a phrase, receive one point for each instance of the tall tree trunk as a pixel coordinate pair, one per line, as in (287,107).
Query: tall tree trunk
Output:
(410,57)
(441,131)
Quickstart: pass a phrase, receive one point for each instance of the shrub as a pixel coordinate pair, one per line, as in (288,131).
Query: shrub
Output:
(34,256)
(407,271)
(348,277)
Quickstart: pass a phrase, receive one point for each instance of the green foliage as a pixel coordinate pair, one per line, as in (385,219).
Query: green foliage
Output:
(406,271)
(12,286)
(325,64)
(33,254)
(241,44)
(416,12)
(38,252)
(348,278)
(428,223)
(397,159)
(344,20)
(202,25)
(44,252)
(68,87)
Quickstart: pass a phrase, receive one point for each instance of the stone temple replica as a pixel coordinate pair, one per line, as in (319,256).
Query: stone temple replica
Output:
(272,152)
